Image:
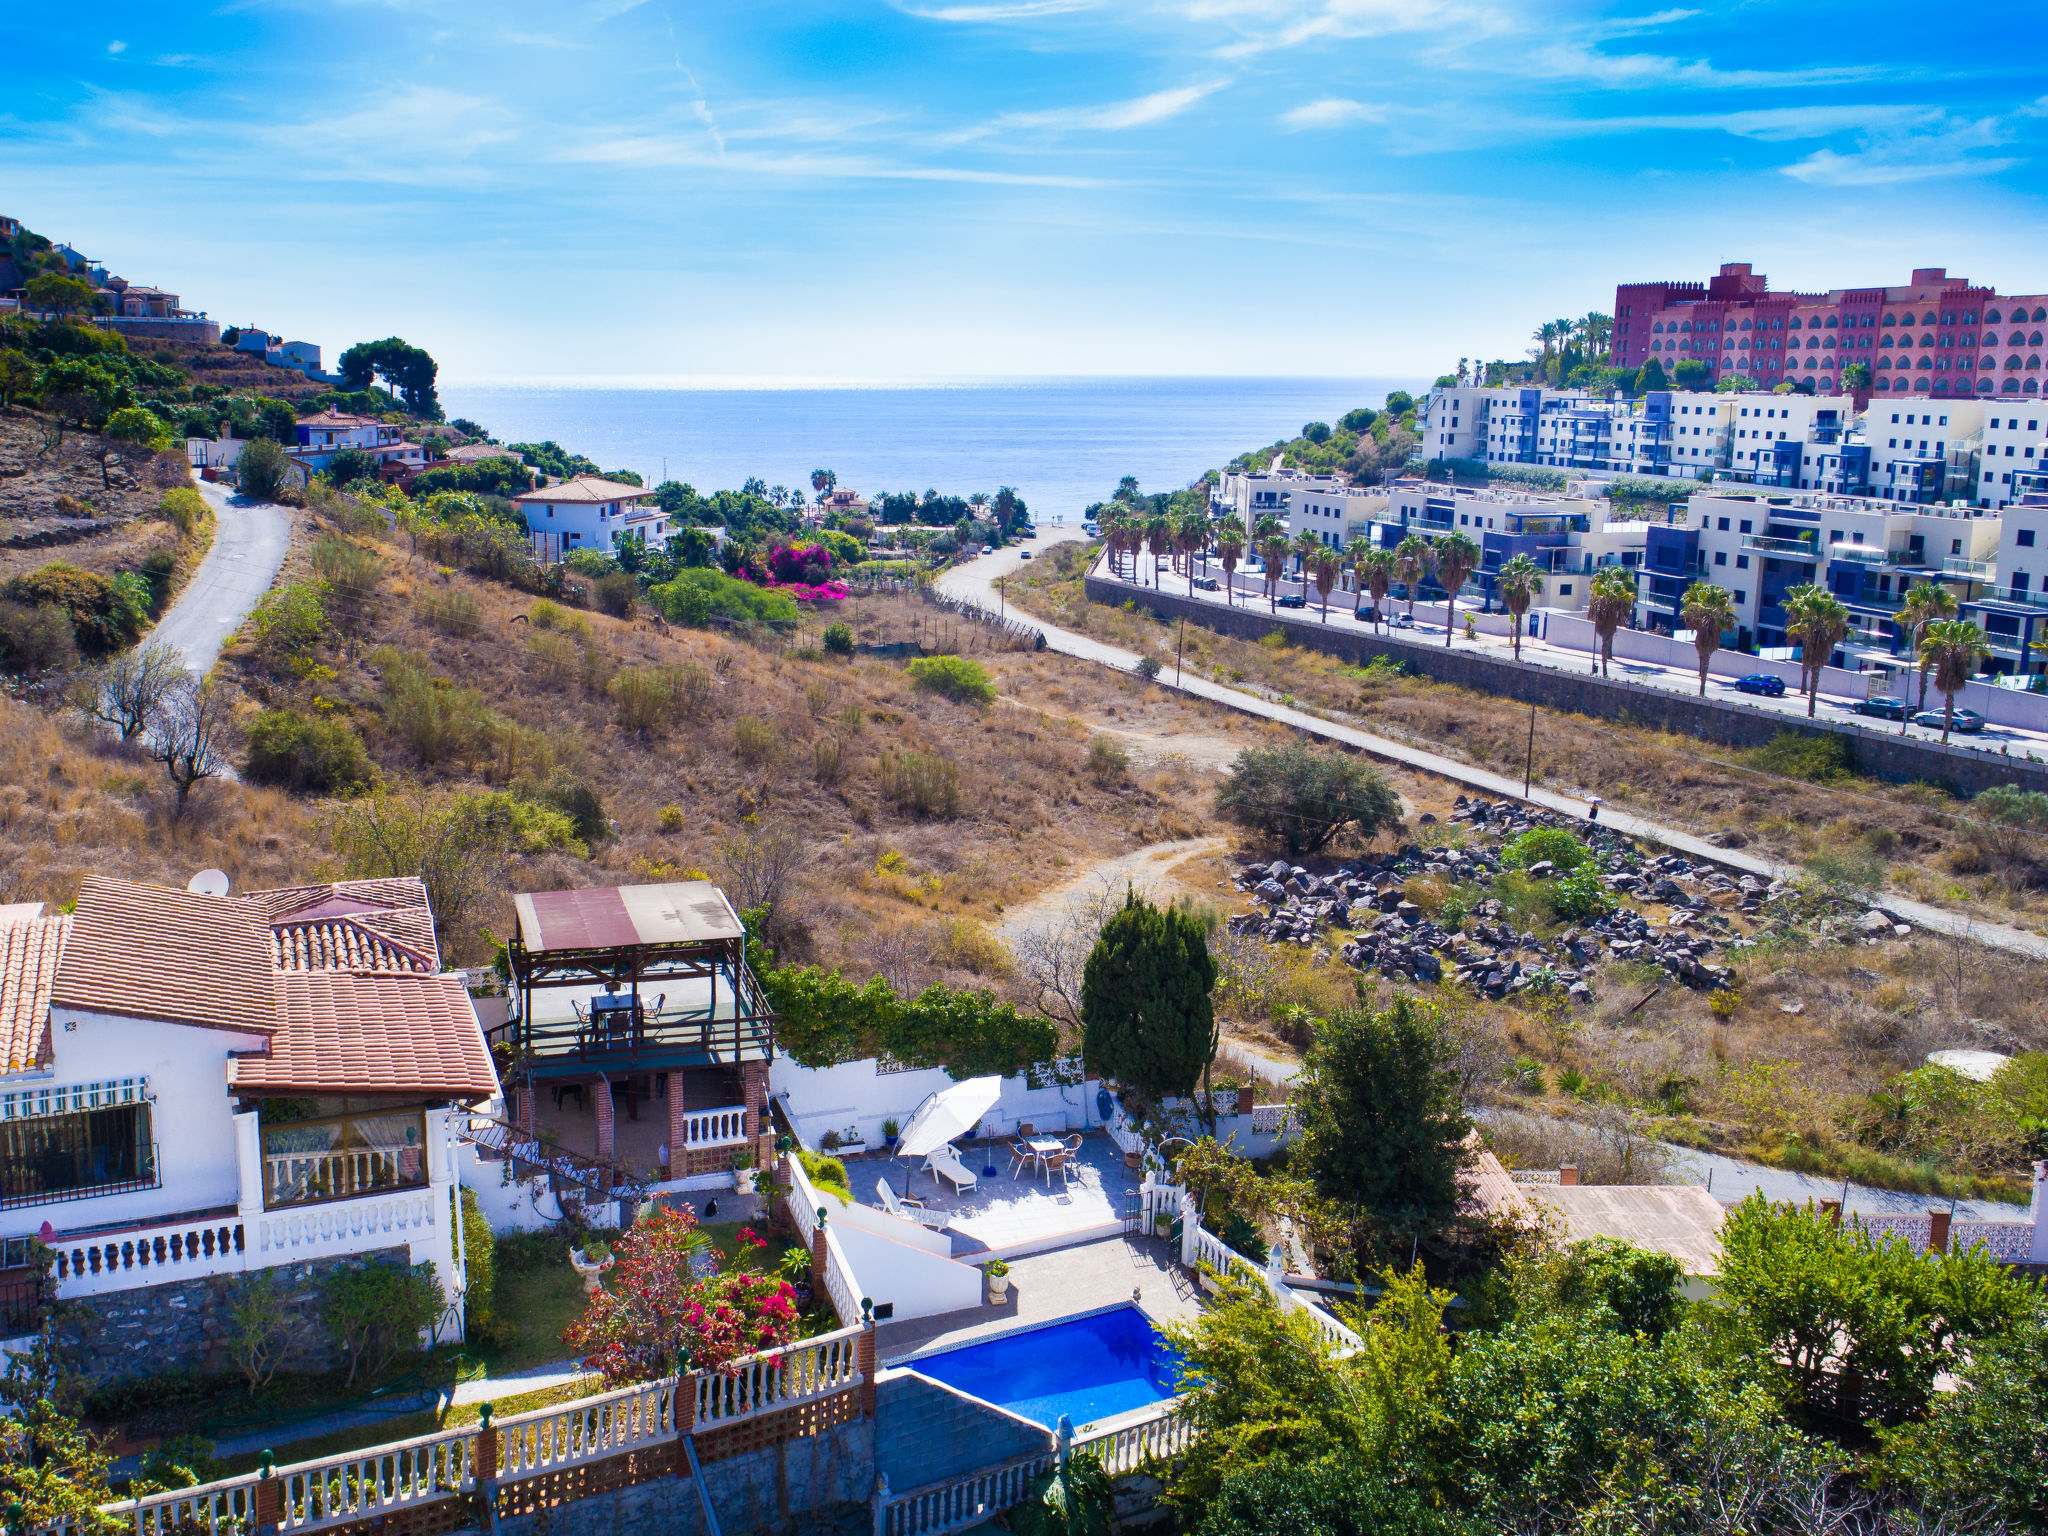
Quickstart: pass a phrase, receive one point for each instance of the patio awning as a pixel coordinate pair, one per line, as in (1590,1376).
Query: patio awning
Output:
(949,1113)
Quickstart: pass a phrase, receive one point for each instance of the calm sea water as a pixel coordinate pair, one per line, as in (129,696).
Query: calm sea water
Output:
(1063,443)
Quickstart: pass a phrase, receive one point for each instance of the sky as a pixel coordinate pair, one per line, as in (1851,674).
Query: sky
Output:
(944,189)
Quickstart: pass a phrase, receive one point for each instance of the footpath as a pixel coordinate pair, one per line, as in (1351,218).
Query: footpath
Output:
(970,583)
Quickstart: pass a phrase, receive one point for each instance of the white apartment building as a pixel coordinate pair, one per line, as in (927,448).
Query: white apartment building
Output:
(1570,537)
(2014,445)
(1256,493)
(1331,514)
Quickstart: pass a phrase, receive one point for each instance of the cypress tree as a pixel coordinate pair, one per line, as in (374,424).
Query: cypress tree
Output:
(1145,1012)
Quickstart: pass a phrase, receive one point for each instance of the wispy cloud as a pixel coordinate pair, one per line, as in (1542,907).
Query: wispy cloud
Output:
(654,150)
(1265,26)
(117,47)
(1631,71)
(1113,117)
(999,10)
(1948,148)
(1331,112)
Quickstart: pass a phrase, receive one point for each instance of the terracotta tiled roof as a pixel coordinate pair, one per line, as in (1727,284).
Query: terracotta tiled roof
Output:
(336,896)
(343,944)
(477,453)
(586,488)
(389,911)
(1489,1189)
(337,421)
(371,1032)
(29,952)
(150,952)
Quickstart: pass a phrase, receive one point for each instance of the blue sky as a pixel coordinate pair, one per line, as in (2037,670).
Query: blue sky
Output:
(952,188)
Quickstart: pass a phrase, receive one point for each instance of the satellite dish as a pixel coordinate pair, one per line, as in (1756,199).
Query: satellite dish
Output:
(208,882)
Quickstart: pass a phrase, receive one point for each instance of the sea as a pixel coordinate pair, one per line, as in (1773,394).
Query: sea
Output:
(1063,443)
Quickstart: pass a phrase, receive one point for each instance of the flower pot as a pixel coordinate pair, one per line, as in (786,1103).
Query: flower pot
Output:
(1208,1283)
(998,1287)
(587,1270)
(743,1181)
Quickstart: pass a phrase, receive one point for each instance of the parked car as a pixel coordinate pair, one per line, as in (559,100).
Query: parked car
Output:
(1208,584)
(1402,621)
(1366,614)
(988,549)
(1884,707)
(1769,684)
(1025,556)
(1293,600)
(1965,720)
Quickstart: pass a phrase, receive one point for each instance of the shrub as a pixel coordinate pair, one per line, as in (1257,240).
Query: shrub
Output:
(826,1172)
(435,718)
(650,698)
(449,611)
(1108,762)
(754,739)
(105,614)
(377,1311)
(839,639)
(1579,897)
(616,594)
(559,657)
(955,677)
(479,1252)
(288,622)
(36,640)
(158,566)
(1303,798)
(1148,668)
(828,760)
(1538,844)
(670,819)
(547,615)
(921,782)
(262,470)
(306,753)
(346,567)
(699,596)
(184,509)
(1821,759)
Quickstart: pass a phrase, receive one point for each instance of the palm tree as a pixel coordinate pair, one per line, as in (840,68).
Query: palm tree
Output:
(1230,541)
(1191,534)
(1375,567)
(1953,648)
(1412,560)
(1611,599)
(1818,621)
(1159,537)
(1457,556)
(1305,548)
(1925,604)
(1709,612)
(1519,581)
(1326,563)
(1273,553)
(1546,336)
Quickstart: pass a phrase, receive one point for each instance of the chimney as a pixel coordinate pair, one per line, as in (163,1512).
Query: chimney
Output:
(1568,1176)
(1937,1231)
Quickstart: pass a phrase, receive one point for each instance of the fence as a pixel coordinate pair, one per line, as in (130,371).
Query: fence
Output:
(1128,1446)
(836,1274)
(2010,1242)
(957,1503)
(149,1256)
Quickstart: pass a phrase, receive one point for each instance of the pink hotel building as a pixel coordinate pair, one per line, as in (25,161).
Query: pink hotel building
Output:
(1936,335)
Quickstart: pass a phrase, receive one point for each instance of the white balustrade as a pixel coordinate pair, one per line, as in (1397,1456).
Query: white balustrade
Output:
(589,1429)
(342,1226)
(840,1283)
(715,1127)
(777,1379)
(149,1255)
(1129,1445)
(961,1502)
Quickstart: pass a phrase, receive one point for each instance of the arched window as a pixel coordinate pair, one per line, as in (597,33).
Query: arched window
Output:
(1795,322)
(1884,362)
(1658,328)
(2034,340)
(1888,320)
(1687,326)
(1969,317)
(2034,362)
(1833,324)
(1984,387)
(1992,317)
(2033,386)
(1928,318)
(1926,362)
(1886,342)
(1827,362)
(2013,361)
(2040,314)
(1883,383)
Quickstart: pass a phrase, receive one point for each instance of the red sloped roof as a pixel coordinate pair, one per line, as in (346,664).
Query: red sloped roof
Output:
(29,953)
(371,1032)
(151,952)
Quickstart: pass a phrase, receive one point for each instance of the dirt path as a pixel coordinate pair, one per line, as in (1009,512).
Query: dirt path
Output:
(1148,870)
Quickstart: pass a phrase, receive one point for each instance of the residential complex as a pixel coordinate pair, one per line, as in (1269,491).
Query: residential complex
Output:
(1933,335)
(1322,503)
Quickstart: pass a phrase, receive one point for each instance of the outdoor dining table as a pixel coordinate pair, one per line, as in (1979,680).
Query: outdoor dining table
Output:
(1044,1147)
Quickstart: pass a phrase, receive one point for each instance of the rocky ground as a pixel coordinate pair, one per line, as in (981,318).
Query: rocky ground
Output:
(54,498)
(1693,912)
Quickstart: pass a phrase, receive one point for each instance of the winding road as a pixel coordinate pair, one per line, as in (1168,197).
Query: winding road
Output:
(250,541)
(970,582)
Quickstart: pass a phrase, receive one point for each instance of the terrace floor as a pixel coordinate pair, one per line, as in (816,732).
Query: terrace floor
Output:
(1049,1286)
(1001,1216)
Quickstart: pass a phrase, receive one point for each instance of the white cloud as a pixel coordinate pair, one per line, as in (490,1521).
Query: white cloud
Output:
(117,47)
(1943,148)
(1000,10)
(1266,25)
(1331,112)
(1115,117)
(649,150)
(1575,61)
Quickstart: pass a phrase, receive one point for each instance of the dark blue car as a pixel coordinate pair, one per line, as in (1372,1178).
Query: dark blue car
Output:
(1769,684)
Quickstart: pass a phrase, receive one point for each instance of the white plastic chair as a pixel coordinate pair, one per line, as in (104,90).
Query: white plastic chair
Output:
(908,1209)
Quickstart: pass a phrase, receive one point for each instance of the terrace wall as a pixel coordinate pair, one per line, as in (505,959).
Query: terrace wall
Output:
(1880,753)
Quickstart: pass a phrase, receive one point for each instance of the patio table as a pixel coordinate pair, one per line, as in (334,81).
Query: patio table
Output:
(1043,1147)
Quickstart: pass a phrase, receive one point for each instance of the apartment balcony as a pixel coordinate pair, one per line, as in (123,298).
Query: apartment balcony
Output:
(1866,554)
(1975,570)
(1784,549)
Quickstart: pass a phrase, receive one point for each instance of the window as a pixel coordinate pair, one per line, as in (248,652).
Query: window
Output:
(1741,596)
(2026,538)
(343,1155)
(1720,557)
(1565,590)
(1745,525)
(1742,562)
(77,1155)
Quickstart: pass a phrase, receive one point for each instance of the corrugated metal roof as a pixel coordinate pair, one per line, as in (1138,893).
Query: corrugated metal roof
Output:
(29,954)
(610,917)
(150,952)
(371,1032)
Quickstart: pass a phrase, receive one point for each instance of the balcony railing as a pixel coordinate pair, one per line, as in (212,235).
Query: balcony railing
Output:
(150,1254)
(1797,549)
(1976,570)
(1867,554)
(342,1156)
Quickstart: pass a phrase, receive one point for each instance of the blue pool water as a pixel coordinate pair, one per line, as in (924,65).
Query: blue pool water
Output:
(1087,1369)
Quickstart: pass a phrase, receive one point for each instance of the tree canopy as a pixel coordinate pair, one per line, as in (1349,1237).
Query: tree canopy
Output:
(402,366)
(1302,798)
(1147,1019)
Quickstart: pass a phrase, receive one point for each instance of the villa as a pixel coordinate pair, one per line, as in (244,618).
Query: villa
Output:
(590,512)
(199,1084)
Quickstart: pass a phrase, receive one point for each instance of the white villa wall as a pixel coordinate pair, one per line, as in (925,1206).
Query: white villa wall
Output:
(897,1229)
(856,1094)
(191,1116)
(916,1282)
(515,1205)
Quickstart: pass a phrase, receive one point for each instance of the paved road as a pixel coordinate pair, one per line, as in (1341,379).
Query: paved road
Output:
(250,541)
(1835,709)
(970,583)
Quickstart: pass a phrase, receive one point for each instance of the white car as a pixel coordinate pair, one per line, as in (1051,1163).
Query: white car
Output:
(988,549)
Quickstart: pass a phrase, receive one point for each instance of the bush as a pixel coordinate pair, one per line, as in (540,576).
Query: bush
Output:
(839,639)
(306,753)
(449,611)
(670,818)
(828,760)
(1538,844)
(650,698)
(697,597)
(921,782)
(1303,798)
(36,640)
(957,678)
(435,718)
(553,616)
(755,740)
(158,566)
(377,1311)
(1108,762)
(825,1172)
(1820,759)
(616,594)
(105,614)
(288,622)
(184,509)
(1579,897)
(262,470)
(346,567)
(479,1251)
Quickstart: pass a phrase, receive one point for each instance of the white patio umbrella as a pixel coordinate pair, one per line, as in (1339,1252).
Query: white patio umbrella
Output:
(949,1113)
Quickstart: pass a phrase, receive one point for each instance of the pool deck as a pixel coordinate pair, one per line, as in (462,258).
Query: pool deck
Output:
(1046,1287)
(1004,1218)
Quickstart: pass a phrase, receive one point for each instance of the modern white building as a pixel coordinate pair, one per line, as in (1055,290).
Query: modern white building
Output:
(589,512)
(1570,537)
(196,1086)
(2015,446)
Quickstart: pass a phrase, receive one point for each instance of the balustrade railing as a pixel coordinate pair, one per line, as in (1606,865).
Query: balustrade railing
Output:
(781,1379)
(715,1127)
(959,1503)
(152,1255)
(1127,1446)
(589,1429)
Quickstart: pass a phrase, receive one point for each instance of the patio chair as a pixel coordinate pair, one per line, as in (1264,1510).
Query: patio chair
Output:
(909,1209)
(1020,1156)
(1073,1145)
(944,1163)
(1056,1164)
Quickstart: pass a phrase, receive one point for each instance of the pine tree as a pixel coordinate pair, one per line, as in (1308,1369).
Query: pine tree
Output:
(1147,1020)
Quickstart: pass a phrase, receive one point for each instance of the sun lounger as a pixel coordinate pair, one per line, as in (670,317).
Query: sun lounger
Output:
(910,1210)
(945,1164)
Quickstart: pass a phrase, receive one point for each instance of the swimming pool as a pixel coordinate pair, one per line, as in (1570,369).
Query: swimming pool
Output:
(1088,1369)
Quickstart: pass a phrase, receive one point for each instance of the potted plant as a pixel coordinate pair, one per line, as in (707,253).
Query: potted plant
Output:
(591,1261)
(998,1281)
(1162,1226)
(743,1171)
(889,1130)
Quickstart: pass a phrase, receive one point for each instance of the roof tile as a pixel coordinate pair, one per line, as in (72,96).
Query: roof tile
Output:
(29,954)
(371,1032)
(151,952)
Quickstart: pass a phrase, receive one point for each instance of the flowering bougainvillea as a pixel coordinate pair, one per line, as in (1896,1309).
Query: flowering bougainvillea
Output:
(804,564)
(653,1317)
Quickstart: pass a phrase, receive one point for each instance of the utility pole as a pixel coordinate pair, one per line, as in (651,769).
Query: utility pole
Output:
(1529,761)
(1002,609)
(1179,635)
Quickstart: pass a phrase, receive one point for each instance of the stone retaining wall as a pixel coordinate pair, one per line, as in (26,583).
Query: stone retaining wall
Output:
(1879,753)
